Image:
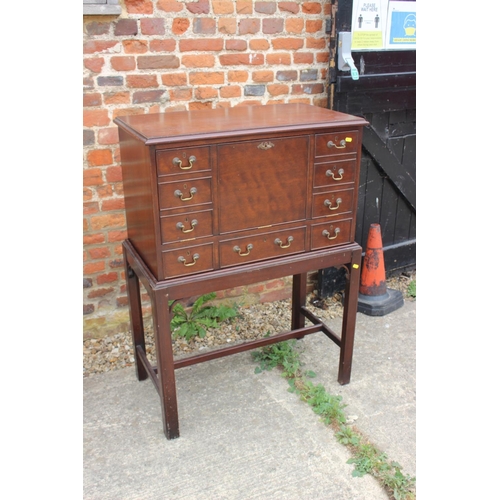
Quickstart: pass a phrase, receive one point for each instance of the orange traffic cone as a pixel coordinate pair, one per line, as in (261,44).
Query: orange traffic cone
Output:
(375,299)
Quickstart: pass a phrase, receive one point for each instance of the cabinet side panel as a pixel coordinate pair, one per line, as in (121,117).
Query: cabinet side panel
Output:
(139,197)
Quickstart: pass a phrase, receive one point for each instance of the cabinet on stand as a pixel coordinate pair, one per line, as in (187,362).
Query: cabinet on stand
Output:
(228,197)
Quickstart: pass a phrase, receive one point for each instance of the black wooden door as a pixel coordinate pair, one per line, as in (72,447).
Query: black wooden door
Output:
(385,95)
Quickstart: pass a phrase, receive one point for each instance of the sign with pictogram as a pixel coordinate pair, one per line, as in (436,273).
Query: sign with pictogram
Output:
(367,25)
(402,25)
(384,24)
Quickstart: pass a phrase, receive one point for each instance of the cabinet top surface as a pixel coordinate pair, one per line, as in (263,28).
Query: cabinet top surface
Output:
(176,126)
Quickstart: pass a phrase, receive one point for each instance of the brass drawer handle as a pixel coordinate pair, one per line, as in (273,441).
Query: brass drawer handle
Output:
(328,203)
(331,174)
(178,162)
(180,226)
(238,250)
(343,144)
(180,195)
(289,240)
(182,260)
(326,234)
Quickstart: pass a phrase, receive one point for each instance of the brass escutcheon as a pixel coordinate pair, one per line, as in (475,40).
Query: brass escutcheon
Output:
(265,145)
(182,260)
(326,234)
(238,250)
(178,162)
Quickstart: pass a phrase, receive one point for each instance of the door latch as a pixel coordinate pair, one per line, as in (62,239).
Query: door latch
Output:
(345,60)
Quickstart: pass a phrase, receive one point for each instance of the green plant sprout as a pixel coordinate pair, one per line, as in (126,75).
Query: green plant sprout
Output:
(189,324)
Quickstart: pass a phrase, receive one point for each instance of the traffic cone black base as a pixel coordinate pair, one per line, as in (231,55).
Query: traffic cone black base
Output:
(380,305)
(374,298)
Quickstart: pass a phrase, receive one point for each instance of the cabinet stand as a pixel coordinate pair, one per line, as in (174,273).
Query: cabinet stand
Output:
(162,292)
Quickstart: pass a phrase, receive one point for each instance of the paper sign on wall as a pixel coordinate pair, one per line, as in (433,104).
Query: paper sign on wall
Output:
(367,25)
(384,24)
(402,25)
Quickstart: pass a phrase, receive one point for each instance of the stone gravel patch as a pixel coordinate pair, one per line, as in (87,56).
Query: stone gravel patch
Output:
(253,322)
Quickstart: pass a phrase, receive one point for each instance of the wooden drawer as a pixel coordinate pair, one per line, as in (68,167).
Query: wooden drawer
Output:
(188,260)
(182,160)
(336,143)
(262,246)
(185,226)
(334,173)
(186,193)
(327,234)
(332,203)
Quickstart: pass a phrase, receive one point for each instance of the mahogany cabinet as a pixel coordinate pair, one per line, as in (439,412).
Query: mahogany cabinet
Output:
(221,198)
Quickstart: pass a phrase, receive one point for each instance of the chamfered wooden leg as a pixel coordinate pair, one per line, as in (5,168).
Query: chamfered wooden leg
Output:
(165,364)
(135,312)
(349,318)
(298,300)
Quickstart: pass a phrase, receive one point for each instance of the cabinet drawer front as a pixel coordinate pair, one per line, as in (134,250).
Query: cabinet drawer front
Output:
(331,203)
(262,183)
(187,260)
(334,173)
(185,193)
(337,143)
(182,160)
(186,226)
(329,234)
(262,246)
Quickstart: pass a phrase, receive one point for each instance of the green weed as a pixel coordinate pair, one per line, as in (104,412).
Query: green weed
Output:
(365,457)
(412,289)
(189,324)
(280,354)
(368,460)
(329,407)
(400,485)
(346,435)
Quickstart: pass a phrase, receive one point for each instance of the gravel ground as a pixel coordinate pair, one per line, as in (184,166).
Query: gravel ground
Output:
(115,352)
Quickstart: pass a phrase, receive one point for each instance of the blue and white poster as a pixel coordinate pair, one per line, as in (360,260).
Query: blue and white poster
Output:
(401,26)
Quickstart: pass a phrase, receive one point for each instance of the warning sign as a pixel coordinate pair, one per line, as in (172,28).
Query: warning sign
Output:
(367,25)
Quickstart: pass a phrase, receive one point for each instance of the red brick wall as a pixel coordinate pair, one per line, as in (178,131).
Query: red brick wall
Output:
(164,55)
